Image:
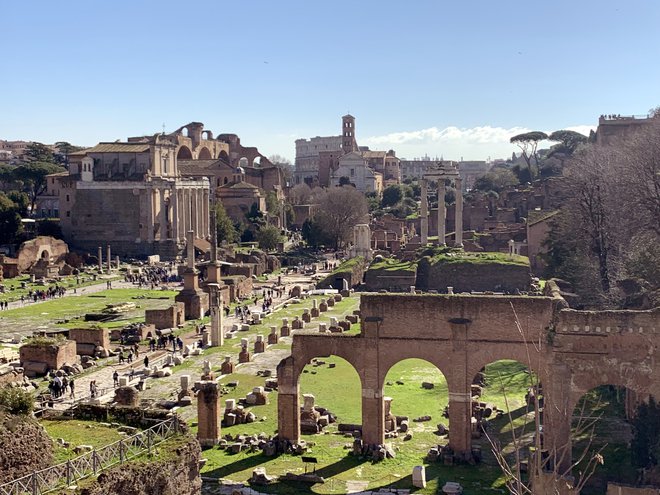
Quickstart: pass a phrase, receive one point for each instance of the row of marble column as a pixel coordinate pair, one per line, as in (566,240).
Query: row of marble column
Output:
(442,213)
(183,210)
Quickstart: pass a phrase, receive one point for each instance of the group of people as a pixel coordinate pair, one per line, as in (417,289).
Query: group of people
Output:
(59,385)
(134,350)
(165,342)
(152,276)
(43,295)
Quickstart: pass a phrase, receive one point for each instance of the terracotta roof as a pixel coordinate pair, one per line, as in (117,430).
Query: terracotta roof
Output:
(194,167)
(374,154)
(117,148)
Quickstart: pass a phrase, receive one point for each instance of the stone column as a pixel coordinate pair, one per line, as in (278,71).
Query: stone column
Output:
(441,212)
(174,201)
(424,214)
(100,259)
(190,240)
(458,216)
(288,402)
(373,415)
(208,413)
(185,213)
(109,258)
(559,402)
(206,214)
(163,216)
(460,425)
(194,211)
(217,330)
(149,217)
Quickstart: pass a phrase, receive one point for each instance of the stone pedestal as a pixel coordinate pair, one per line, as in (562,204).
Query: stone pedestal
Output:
(331,301)
(196,301)
(306,316)
(227,367)
(259,344)
(208,413)
(272,336)
(296,324)
(185,393)
(419,477)
(323,307)
(309,416)
(244,355)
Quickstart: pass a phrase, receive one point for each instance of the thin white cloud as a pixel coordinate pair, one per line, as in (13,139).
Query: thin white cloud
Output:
(452,134)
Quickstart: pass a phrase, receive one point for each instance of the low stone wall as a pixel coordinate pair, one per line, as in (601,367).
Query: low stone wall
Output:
(37,359)
(390,280)
(239,286)
(165,318)
(468,276)
(87,339)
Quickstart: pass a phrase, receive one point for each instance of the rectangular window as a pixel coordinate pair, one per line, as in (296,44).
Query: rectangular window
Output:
(352,172)
(68,213)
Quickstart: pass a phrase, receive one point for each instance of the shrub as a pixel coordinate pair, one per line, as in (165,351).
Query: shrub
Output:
(16,401)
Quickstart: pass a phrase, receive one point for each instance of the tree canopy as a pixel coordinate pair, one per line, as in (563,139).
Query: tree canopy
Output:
(392,195)
(340,209)
(33,175)
(528,143)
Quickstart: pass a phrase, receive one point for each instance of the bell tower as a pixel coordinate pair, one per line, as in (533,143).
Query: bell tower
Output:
(348,142)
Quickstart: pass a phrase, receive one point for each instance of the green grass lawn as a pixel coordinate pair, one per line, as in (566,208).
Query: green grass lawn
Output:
(338,389)
(13,290)
(78,432)
(69,312)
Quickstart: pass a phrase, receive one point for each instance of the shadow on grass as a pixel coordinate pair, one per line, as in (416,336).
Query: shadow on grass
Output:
(285,487)
(243,463)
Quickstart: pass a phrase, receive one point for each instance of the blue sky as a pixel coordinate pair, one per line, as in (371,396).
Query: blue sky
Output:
(451,78)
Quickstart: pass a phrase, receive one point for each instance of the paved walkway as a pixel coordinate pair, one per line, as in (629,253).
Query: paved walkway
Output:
(163,387)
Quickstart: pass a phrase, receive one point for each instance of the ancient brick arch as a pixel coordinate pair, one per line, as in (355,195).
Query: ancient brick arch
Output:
(184,153)
(460,334)
(204,154)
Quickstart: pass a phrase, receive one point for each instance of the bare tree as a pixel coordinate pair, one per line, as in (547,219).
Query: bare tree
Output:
(300,194)
(545,474)
(340,209)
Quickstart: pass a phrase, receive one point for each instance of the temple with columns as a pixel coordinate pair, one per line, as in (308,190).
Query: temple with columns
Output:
(132,194)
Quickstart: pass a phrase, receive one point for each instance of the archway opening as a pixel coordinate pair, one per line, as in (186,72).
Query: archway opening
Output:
(600,426)
(330,396)
(204,154)
(224,156)
(243,162)
(419,396)
(256,162)
(504,424)
(184,153)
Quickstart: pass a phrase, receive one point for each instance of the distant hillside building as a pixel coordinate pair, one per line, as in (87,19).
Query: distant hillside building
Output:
(324,161)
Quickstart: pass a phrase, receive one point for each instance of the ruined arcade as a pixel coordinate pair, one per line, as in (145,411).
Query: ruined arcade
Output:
(579,350)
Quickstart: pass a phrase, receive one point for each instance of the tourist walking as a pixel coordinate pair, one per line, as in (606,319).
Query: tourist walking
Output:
(72,387)
(115,378)
(146,361)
